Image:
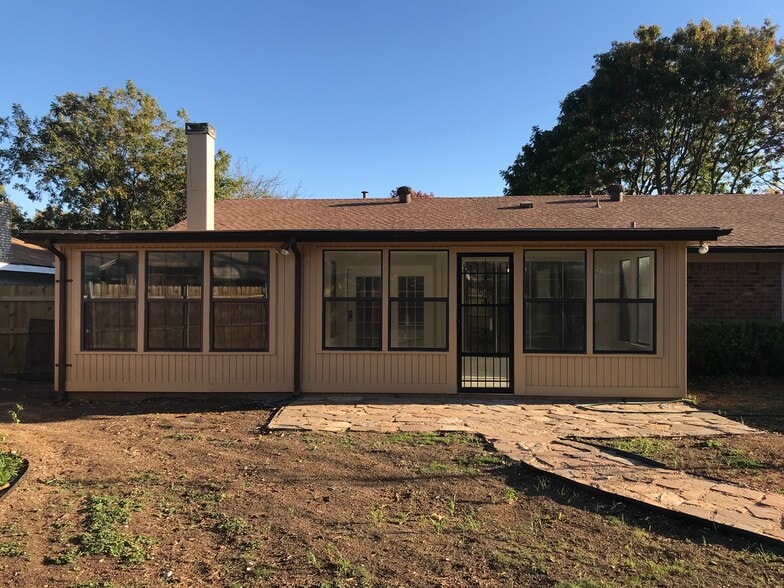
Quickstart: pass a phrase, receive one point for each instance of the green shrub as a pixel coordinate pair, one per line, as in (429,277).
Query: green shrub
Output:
(752,348)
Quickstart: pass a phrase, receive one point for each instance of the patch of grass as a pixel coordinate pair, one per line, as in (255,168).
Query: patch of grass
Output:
(10,466)
(102,516)
(12,549)
(517,562)
(434,467)
(511,495)
(480,460)
(661,450)
(422,439)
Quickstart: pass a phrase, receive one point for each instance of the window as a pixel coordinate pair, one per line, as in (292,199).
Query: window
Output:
(418,299)
(240,300)
(624,301)
(174,308)
(352,300)
(109,301)
(554,308)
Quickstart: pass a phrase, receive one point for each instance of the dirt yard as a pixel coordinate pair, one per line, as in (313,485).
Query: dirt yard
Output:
(196,493)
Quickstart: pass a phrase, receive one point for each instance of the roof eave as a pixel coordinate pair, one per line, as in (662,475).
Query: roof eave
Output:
(411,235)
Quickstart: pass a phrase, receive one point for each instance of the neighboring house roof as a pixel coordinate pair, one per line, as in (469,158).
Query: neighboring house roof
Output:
(28,258)
(756,220)
(28,254)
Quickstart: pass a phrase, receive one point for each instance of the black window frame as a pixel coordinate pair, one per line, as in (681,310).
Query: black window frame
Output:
(326,299)
(562,301)
(85,301)
(265,302)
(653,301)
(424,299)
(172,301)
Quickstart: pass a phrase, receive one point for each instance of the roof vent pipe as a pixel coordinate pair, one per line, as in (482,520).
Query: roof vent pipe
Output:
(201,176)
(404,194)
(616,192)
(364,194)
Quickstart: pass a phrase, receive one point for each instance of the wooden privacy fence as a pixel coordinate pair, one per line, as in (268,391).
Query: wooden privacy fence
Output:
(26,330)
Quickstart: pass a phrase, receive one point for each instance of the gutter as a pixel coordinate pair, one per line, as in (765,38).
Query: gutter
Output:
(297,316)
(62,356)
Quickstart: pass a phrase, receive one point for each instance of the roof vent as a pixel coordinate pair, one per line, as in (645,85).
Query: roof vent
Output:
(526,205)
(364,194)
(616,192)
(404,194)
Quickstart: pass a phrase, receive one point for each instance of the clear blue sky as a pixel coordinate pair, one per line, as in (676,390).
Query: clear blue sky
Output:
(341,96)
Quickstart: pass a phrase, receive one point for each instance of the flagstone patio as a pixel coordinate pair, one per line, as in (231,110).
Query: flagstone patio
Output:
(542,435)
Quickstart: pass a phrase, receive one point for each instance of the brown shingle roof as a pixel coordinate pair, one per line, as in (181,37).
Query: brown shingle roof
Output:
(28,254)
(756,220)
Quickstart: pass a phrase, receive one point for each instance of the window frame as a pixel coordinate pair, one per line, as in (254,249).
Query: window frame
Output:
(135,302)
(325,299)
(147,347)
(653,301)
(212,301)
(562,301)
(390,299)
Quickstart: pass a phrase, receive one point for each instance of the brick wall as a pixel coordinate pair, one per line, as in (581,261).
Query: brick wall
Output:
(734,290)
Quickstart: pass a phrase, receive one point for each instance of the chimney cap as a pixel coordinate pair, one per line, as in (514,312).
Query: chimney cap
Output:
(199,129)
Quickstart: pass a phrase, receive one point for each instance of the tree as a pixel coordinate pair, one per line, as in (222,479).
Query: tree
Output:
(106,160)
(700,111)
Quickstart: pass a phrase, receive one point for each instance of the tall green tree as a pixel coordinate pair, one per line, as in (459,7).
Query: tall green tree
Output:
(106,160)
(699,111)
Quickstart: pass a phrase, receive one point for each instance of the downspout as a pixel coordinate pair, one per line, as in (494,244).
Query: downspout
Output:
(62,318)
(297,316)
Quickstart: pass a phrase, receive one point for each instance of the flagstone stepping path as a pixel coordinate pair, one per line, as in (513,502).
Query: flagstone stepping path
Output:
(541,435)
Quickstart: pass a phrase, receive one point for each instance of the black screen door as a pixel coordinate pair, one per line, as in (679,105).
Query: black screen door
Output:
(485,323)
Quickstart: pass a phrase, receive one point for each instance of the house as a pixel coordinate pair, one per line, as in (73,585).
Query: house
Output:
(26,305)
(556,296)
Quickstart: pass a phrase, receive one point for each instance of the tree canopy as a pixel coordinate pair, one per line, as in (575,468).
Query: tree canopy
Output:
(110,160)
(701,111)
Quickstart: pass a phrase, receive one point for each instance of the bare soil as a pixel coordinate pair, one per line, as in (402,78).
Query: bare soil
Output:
(206,497)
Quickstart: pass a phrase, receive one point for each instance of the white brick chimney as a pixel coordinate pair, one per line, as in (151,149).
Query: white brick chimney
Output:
(201,176)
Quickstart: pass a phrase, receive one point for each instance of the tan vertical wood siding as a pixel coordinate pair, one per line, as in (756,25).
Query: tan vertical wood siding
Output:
(186,372)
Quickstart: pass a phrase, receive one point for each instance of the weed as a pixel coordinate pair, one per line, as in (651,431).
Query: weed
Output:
(516,561)
(146,476)
(314,561)
(184,437)
(377,515)
(103,514)
(401,517)
(511,495)
(346,441)
(12,549)
(67,557)
(10,466)
(470,523)
(542,483)
(231,527)
(14,414)
(451,505)
(712,444)
(343,568)
(437,522)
